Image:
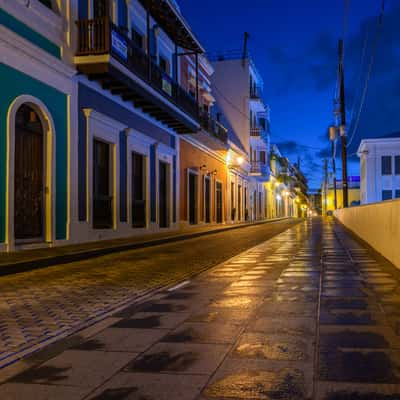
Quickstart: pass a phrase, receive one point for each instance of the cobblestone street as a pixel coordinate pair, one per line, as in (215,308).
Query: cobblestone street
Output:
(309,314)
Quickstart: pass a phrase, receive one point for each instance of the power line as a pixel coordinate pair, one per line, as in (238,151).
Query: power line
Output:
(365,91)
(359,75)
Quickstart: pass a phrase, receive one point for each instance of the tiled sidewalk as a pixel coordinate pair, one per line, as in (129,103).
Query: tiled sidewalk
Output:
(309,314)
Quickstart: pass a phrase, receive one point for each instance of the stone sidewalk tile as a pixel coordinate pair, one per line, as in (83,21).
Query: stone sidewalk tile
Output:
(181,358)
(84,369)
(18,391)
(201,332)
(133,386)
(131,340)
(261,380)
(356,391)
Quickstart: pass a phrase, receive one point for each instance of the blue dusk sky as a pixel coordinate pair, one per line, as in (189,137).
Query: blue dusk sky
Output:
(294,46)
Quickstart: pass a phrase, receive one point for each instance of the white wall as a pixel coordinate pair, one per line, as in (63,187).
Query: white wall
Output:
(378,224)
(233,80)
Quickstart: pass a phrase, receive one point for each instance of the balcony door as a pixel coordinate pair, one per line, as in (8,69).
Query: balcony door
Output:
(138,191)
(218,200)
(28,176)
(207,200)
(102,199)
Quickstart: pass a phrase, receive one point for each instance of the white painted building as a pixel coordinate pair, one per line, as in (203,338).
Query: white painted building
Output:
(380,168)
(238,86)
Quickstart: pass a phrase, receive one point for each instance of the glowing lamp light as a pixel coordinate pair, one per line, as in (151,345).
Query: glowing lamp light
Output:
(240,160)
(286,193)
(228,158)
(278,197)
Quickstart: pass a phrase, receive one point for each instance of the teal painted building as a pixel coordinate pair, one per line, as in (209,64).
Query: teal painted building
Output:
(36,100)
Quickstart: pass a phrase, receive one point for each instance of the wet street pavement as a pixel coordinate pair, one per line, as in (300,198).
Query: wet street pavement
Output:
(309,314)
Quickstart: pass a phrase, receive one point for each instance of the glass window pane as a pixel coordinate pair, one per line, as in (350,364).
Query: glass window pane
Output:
(397,165)
(397,194)
(386,165)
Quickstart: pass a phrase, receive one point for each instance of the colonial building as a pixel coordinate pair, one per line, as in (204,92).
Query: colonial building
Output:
(380,168)
(328,194)
(37,123)
(134,102)
(202,158)
(238,89)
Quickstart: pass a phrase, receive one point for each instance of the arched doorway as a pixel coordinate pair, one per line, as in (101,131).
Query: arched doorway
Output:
(29,180)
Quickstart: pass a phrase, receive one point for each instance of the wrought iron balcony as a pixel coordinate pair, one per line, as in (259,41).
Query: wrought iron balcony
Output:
(255,131)
(213,127)
(99,37)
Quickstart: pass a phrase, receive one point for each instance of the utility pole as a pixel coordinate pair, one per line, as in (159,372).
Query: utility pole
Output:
(326,185)
(332,138)
(343,126)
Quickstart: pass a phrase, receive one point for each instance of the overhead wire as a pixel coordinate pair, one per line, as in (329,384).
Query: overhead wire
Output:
(368,77)
(359,76)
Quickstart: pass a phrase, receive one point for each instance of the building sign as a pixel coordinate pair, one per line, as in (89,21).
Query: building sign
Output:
(119,45)
(167,84)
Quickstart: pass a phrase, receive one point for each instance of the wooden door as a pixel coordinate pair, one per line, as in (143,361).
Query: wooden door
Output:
(218,199)
(138,191)
(28,175)
(207,199)
(163,195)
(192,188)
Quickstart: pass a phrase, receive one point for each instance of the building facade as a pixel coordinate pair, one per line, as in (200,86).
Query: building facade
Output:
(328,194)
(380,168)
(112,124)
(238,89)
(37,123)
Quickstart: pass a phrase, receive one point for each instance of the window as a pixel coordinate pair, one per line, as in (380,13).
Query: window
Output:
(386,195)
(262,157)
(386,165)
(397,165)
(164,65)
(137,39)
(397,194)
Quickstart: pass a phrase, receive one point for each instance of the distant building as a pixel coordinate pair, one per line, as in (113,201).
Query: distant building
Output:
(380,168)
(353,190)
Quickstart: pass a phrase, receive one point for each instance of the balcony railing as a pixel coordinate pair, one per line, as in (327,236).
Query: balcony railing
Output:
(100,36)
(255,131)
(213,127)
